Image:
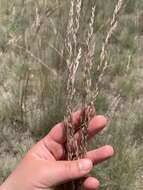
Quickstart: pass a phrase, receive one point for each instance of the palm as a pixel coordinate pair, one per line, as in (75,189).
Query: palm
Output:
(51,148)
(44,166)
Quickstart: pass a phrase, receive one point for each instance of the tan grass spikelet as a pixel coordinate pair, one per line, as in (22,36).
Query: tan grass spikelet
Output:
(104,50)
(73,61)
(88,110)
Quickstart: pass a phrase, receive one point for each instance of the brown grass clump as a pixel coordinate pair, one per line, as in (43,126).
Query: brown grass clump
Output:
(73,61)
(76,150)
(74,56)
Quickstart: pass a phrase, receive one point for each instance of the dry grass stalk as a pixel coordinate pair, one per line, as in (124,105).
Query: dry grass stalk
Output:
(113,26)
(114,104)
(87,112)
(37,59)
(73,61)
(117,99)
(74,55)
(104,52)
(41,18)
(90,44)
(77,149)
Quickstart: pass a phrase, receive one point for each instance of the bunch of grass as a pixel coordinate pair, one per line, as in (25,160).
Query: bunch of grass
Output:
(77,148)
(88,110)
(73,61)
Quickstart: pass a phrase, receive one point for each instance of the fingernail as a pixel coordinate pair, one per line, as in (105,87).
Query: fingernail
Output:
(85,165)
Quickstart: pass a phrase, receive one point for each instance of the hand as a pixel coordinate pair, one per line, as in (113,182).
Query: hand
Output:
(44,165)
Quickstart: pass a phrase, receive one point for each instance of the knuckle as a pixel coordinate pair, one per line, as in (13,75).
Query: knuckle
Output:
(72,169)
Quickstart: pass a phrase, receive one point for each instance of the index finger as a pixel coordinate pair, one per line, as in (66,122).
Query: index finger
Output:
(58,134)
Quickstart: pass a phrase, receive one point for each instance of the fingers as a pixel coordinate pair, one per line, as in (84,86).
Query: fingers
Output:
(57,136)
(91,183)
(56,149)
(96,124)
(72,170)
(58,131)
(64,171)
(100,154)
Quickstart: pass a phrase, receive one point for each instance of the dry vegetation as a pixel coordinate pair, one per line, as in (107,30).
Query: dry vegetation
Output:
(95,55)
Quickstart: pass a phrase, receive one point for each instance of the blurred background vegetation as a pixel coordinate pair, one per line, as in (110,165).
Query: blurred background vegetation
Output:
(33,81)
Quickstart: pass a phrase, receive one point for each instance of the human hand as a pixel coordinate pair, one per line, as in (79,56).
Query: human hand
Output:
(44,166)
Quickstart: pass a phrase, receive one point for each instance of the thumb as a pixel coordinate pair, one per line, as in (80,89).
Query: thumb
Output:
(63,171)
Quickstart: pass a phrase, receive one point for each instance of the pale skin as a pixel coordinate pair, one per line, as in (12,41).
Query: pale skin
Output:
(44,166)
